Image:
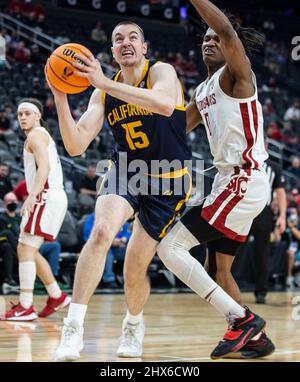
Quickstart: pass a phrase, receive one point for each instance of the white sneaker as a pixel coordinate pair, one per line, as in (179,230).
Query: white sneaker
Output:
(71,342)
(131,345)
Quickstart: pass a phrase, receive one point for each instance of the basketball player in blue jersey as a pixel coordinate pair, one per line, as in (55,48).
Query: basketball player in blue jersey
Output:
(144,107)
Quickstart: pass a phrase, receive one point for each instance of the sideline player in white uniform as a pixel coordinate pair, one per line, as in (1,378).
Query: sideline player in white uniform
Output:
(42,214)
(226,102)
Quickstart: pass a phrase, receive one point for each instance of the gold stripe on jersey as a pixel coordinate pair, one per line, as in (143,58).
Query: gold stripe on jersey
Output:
(103,96)
(182,106)
(177,208)
(171,175)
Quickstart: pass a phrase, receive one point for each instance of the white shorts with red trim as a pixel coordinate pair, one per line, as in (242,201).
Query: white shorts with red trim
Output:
(236,198)
(47,216)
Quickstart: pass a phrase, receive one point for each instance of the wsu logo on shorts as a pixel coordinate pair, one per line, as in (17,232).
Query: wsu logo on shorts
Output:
(238,184)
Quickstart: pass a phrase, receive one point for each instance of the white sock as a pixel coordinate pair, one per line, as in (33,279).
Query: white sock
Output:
(134,319)
(26,299)
(225,304)
(27,275)
(77,312)
(173,250)
(53,290)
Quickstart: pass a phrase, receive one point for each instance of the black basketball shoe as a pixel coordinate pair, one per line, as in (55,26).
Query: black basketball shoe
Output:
(255,348)
(238,334)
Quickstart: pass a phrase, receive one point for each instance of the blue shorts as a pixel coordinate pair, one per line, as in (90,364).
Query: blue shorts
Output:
(158,200)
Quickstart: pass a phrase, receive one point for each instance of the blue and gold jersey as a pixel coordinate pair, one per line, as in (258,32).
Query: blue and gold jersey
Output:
(145,135)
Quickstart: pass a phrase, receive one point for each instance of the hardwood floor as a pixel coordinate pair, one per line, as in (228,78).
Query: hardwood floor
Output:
(178,327)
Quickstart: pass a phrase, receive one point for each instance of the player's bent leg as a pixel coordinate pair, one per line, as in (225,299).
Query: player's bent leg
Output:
(57,299)
(173,251)
(220,264)
(140,251)
(89,271)
(92,258)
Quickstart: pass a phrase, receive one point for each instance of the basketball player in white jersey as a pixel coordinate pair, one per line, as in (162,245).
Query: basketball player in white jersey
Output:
(42,214)
(227,104)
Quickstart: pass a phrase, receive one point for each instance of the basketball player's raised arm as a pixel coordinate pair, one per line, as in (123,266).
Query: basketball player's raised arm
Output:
(232,48)
(160,99)
(37,144)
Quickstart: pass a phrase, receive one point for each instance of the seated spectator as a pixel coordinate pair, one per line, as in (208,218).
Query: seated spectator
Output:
(274,132)
(36,56)
(51,251)
(290,137)
(116,252)
(22,54)
(98,34)
(292,113)
(15,7)
(79,111)
(293,232)
(49,109)
(295,166)
(88,184)
(294,196)
(20,190)
(5,124)
(5,183)
(9,233)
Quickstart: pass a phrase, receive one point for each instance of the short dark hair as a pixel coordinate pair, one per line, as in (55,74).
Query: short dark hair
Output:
(128,22)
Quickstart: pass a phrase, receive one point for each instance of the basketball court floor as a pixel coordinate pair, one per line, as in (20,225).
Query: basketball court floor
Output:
(179,327)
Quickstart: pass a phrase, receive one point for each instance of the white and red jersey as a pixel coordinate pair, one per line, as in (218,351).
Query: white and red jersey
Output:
(234,126)
(55,178)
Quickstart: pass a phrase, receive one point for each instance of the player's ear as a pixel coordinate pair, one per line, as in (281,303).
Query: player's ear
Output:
(112,51)
(145,48)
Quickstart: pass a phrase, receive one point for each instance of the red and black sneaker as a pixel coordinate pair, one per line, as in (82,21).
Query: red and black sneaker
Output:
(54,304)
(238,334)
(19,313)
(262,347)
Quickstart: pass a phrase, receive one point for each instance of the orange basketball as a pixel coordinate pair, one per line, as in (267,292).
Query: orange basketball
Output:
(60,71)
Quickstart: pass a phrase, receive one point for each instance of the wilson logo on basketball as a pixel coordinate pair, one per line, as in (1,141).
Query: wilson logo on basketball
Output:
(236,184)
(70,53)
(68,72)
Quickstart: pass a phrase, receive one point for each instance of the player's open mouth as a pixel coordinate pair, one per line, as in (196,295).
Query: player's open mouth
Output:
(127,53)
(208,52)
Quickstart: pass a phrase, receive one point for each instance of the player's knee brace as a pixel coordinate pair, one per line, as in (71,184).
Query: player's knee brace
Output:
(174,253)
